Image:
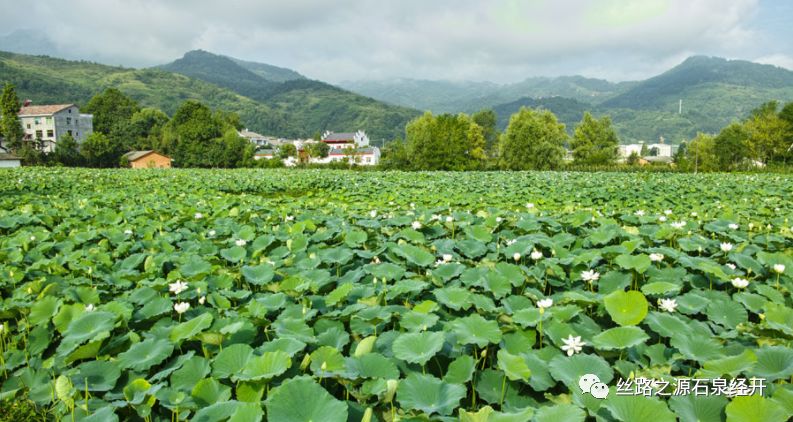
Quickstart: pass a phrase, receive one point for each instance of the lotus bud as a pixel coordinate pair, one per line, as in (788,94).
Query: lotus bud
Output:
(324,366)
(391,387)
(483,354)
(306,361)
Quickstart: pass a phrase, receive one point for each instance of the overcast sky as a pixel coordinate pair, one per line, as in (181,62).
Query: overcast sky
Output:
(493,40)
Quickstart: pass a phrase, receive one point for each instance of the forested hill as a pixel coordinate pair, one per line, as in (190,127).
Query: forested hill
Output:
(307,103)
(714,92)
(295,107)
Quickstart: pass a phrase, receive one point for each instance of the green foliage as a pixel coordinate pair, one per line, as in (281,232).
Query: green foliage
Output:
(318,149)
(533,140)
(10,126)
(99,151)
(67,152)
(286,151)
(321,303)
(112,110)
(594,141)
(731,146)
(197,137)
(487,119)
(444,142)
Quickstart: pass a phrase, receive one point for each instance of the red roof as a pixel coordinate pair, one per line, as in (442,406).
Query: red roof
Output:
(43,110)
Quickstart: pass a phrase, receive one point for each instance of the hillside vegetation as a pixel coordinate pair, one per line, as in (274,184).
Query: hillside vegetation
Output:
(715,92)
(296,108)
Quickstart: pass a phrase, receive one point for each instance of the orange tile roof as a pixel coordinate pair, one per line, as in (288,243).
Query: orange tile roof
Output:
(40,110)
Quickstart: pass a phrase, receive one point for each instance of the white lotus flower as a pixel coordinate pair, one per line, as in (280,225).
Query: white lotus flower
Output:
(779,268)
(730,265)
(211,233)
(668,212)
(678,224)
(198,216)
(177,287)
(376,259)
(545,303)
(590,276)
(751,226)
(725,246)
(694,213)
(499,219)
(416,225)
(202,299)
(240,242)
(449,219)
(572,345)
(733,226)
(536,255)
(740,283)
(529,205)
(511,242)
(667,305)
(516,256)
(639,213)
(662,218)
(89,307)
(435,217)
(32,238)
(181,307)
(373,213)
(412,205)
(656,257)
(2,328)
(447,257)
(289,218)
(128,232)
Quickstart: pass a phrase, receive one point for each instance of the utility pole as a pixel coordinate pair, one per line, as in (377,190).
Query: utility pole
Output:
(680,107)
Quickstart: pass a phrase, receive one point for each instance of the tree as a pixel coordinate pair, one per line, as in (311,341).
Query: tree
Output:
(644,152)
(10,126)
(287,150)
(700,154)
(633,159)
(534,140)
(318,150)
(679,158)
(486,119)
(731,146)
(197,137)
(395,156)
(594,142)
(146,127)
(67,152)
(98,151)
(444,142)
(111,109)
(768,134)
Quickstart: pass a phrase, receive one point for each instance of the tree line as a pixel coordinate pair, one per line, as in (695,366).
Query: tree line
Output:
(536,140)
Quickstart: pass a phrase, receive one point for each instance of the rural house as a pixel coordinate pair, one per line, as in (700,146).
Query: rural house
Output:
(44,125)
(9,160)
(147,159)
(351,146)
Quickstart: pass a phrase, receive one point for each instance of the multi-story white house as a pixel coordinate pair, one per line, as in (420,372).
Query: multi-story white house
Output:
(44,125)
(352,147)
(660,150)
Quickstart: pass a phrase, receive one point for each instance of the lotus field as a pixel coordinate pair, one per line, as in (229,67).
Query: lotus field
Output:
(333,296)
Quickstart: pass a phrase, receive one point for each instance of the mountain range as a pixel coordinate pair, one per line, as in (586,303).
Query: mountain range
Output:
(282,102)
(714,92)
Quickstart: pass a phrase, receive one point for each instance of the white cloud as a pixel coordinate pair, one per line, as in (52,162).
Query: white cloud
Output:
(499,40)
(781,60)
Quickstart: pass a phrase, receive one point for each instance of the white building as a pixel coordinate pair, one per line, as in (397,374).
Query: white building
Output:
(46,124)
(652,150)
(350,146)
